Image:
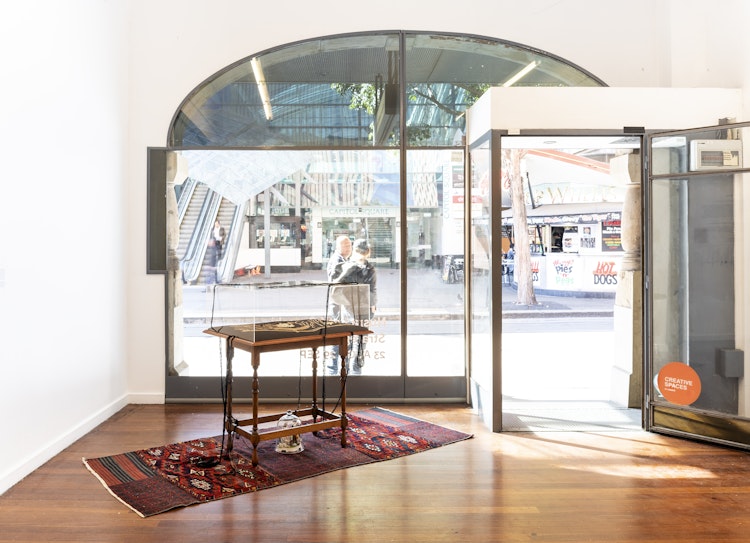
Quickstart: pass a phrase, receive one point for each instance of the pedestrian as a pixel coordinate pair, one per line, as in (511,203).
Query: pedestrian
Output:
(340,255)
(360,271)
(213,261)
(218,234)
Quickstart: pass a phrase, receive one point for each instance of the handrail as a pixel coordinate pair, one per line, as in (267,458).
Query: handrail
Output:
(196,250)
(188,189)
(225,265)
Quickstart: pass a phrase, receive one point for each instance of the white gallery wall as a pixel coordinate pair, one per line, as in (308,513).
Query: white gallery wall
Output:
(63,222)
(91,84)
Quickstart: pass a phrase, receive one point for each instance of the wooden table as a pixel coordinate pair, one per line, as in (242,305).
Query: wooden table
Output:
(258,338)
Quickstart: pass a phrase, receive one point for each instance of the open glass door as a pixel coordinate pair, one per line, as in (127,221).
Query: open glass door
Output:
(698,250)
(509,112)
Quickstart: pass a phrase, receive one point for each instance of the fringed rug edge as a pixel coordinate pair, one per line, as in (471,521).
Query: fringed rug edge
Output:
(98,478)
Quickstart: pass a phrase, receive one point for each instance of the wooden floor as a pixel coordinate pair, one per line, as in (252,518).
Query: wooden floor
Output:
(622,486)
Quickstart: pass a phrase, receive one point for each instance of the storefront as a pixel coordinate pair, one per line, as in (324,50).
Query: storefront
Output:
(379,224)
(576,249)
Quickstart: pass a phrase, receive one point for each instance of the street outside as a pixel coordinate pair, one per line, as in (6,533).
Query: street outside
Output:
(558,350)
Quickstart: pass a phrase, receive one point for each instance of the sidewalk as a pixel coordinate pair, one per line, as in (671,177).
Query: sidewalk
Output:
(432,298)
(556,306)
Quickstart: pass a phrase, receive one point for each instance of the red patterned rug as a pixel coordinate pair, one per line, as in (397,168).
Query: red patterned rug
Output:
(155,480)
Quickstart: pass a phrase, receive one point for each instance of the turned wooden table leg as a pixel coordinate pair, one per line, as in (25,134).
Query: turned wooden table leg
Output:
(343,351)
(228,425)
(315,384)
(255,436)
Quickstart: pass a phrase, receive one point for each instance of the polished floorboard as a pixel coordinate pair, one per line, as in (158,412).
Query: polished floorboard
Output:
(575,486)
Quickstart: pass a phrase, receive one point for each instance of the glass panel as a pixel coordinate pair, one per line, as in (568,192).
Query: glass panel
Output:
(479,267)
(327,92)
(281,213)
(445,75)
(435,254)
(695,360)
(345,91)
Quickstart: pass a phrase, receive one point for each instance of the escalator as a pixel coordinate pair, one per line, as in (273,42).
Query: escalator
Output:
(198,208)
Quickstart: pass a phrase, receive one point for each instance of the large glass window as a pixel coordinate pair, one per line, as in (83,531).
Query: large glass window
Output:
(293,149)
(285,229)
(434,262)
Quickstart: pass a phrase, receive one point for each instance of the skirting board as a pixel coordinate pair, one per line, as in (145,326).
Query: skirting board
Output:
(28,465)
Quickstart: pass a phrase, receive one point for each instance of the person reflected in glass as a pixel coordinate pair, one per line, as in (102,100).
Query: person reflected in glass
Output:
(358,270)
(340,255)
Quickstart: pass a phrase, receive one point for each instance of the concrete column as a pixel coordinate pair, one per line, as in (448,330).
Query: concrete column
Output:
(628,169)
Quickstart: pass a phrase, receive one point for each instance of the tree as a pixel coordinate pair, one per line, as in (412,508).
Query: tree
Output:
(513,177)
(361,95)
(367,96)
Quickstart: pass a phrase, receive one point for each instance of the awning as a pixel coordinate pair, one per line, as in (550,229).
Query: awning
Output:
(580,213)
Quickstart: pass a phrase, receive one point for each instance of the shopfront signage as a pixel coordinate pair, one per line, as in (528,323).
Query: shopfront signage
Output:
(587,218)
(565,270)
(605,273)
(365,211)
(611,236)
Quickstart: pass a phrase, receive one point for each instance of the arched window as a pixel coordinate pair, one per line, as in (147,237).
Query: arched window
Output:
(345,91)
(294,147)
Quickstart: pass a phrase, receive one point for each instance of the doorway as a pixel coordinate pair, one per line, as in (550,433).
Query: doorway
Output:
(561,348)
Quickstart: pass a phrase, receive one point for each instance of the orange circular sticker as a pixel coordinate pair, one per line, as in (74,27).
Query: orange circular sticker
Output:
(679,383)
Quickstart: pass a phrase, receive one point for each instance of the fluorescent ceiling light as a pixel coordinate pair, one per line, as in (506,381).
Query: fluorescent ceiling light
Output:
(260,80)
(521,73)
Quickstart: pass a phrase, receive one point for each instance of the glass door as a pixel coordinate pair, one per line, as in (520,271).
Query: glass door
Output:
(696,292)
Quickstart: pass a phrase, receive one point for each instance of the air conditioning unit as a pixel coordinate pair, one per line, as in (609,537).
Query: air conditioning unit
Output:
(715,154)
